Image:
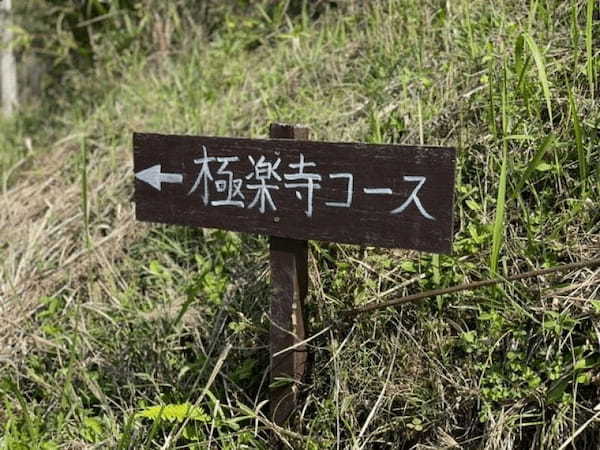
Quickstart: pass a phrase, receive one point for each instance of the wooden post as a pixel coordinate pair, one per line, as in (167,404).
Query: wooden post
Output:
(289,280)
(8,66)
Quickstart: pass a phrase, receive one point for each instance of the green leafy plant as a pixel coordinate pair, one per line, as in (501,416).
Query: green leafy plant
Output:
(174,413)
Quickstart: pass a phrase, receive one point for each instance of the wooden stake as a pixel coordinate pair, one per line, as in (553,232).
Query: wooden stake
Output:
(289,280)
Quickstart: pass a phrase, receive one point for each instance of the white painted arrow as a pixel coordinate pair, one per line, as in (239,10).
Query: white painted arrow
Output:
(154,177)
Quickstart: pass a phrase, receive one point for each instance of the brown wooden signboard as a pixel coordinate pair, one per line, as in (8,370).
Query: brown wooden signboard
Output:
(381,195)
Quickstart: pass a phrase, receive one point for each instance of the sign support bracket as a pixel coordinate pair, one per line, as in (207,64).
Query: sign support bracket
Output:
(289,283)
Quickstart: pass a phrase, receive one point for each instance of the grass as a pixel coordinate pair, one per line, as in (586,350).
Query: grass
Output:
(108,345)
(541,68)
(498,232)
(591,58)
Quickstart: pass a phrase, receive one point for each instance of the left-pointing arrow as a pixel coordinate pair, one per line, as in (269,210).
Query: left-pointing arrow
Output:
(154,177)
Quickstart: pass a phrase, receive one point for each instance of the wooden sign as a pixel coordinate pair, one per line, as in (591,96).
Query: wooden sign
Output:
(293,190)
(382,195)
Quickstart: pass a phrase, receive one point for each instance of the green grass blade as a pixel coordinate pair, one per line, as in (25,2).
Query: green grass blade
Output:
(492,107)
(125,440)
(578,141)
(590,65)
(156,423)
(541,68)
(535,161)
(498,232)
(29,426)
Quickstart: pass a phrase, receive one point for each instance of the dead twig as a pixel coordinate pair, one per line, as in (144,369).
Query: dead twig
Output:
(467,287)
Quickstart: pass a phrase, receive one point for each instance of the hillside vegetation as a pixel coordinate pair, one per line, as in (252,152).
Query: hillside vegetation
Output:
(111,329)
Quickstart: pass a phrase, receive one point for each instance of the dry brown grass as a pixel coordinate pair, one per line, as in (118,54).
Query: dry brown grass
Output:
(43,237)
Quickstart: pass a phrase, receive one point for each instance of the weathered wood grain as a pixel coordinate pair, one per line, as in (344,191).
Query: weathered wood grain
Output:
(367,221)
(289,281)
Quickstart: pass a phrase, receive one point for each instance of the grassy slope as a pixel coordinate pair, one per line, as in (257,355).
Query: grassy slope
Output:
(94,330)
